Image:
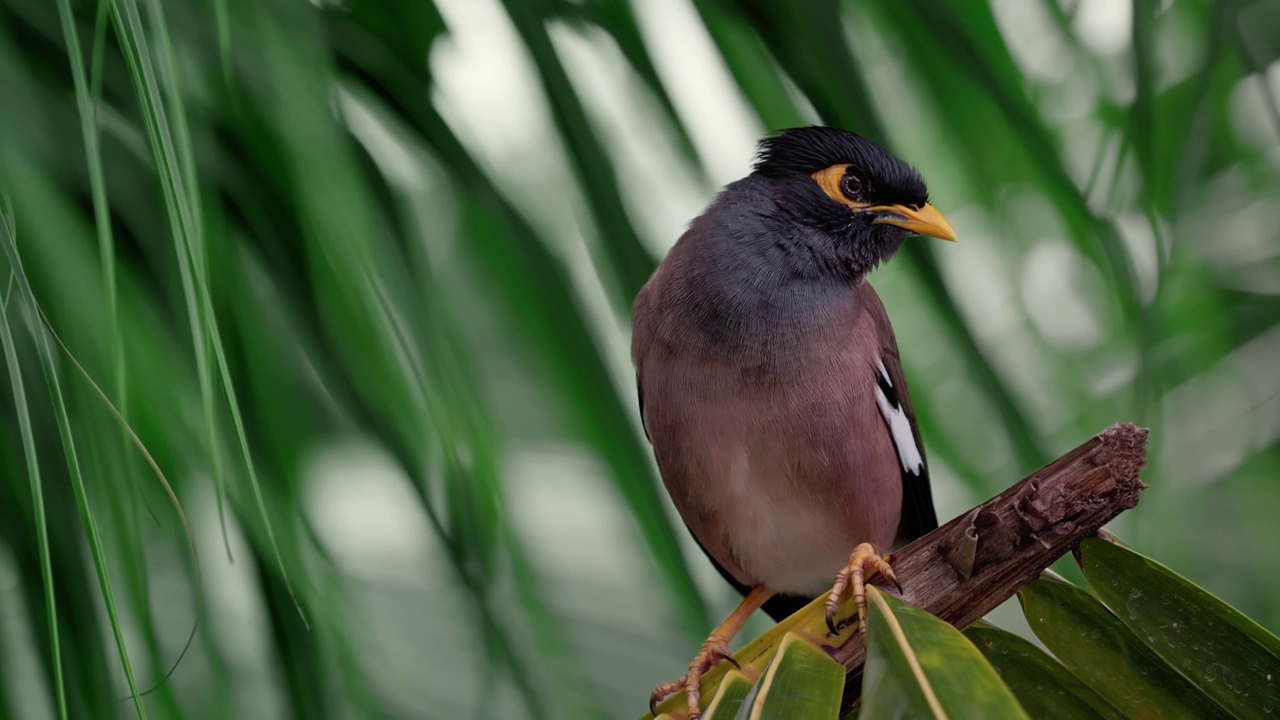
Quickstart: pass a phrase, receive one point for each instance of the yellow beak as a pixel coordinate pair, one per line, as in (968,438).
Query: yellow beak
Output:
(923,221)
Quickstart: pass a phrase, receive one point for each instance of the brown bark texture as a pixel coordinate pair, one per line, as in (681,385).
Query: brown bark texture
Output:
(964,569)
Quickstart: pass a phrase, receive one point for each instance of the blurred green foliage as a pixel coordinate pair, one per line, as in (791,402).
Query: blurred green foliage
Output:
(358,275)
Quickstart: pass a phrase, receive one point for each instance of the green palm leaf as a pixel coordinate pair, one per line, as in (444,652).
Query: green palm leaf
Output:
(1226,655)
(1096,647)
(919,666)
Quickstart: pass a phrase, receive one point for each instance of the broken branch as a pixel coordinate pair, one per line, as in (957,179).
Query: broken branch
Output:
(966,568)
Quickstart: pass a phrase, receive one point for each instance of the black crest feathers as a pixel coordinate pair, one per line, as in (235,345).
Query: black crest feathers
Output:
(806,150)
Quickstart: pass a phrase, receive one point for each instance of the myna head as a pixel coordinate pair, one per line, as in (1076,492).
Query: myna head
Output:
(856,200)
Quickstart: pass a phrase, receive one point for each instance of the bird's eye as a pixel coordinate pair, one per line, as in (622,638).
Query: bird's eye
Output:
(851,186)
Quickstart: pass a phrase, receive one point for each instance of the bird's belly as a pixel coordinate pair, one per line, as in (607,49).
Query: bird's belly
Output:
(793,545)
(793,507)
(779,470)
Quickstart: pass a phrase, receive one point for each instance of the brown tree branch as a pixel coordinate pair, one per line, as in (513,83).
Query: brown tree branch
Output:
(966,568)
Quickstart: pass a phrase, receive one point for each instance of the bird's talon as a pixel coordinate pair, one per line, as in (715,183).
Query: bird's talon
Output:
(724,654)
(664,691)
(883,567)
(716,648)
(713,651)
(863,559)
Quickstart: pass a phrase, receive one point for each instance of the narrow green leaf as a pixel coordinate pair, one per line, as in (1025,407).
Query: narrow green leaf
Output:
(1229,657)
(223,21)
(1097,648)
(532,285)
(179,200)
(37,487)
(171,149)
(619,20)
(49,366)
(803,681)
(618,250)
(729,698)
(106,245)
(971,34)
(93,157)
(748,60)
(921,667)
(1044,688)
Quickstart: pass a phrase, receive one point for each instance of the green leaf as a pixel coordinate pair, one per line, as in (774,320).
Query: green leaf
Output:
(619,20)
(745,55)
(203,225)
(1042,685)
(619,252)
(37,488)
(1228,656)
(49,365)
(1097,648)
(171,150)
(919,666)
(733,691)
(756,657)
(802,681)
(532,284)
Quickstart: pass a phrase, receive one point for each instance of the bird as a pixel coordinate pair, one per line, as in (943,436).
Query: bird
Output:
(770,386)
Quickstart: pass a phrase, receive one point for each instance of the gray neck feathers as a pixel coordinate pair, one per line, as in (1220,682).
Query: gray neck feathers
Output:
(754,284)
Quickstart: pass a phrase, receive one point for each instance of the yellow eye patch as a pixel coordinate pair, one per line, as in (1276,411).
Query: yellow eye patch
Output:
(920,219)
(829,179)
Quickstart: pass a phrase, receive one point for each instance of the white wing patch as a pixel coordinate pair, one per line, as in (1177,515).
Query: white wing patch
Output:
(899,427)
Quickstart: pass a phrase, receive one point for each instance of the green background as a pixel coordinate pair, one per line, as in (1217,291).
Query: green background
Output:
(359,275)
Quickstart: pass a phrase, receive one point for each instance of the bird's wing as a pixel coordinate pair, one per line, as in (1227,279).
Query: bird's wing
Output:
(918,514)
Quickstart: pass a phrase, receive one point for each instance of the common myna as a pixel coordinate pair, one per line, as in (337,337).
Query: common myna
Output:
(769,379)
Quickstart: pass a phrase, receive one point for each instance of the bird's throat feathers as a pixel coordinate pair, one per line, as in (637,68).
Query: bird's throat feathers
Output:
(775,238)
(843,245)
(749,276)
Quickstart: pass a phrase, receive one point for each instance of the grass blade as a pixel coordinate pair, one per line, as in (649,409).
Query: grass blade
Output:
(176,171)
(33,472)
(620,250)
(50,369)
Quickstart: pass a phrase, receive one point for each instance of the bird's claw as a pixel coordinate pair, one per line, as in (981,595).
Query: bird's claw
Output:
(713,651)
(864,562)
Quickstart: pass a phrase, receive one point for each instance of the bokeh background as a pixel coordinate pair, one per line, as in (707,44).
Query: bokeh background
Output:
(359,276)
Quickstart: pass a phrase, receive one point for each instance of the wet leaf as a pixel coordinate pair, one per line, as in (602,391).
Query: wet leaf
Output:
(1229,657)
(1097,648)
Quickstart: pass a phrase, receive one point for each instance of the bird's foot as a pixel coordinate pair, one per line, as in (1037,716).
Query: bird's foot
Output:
(863,563)
(715,649)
